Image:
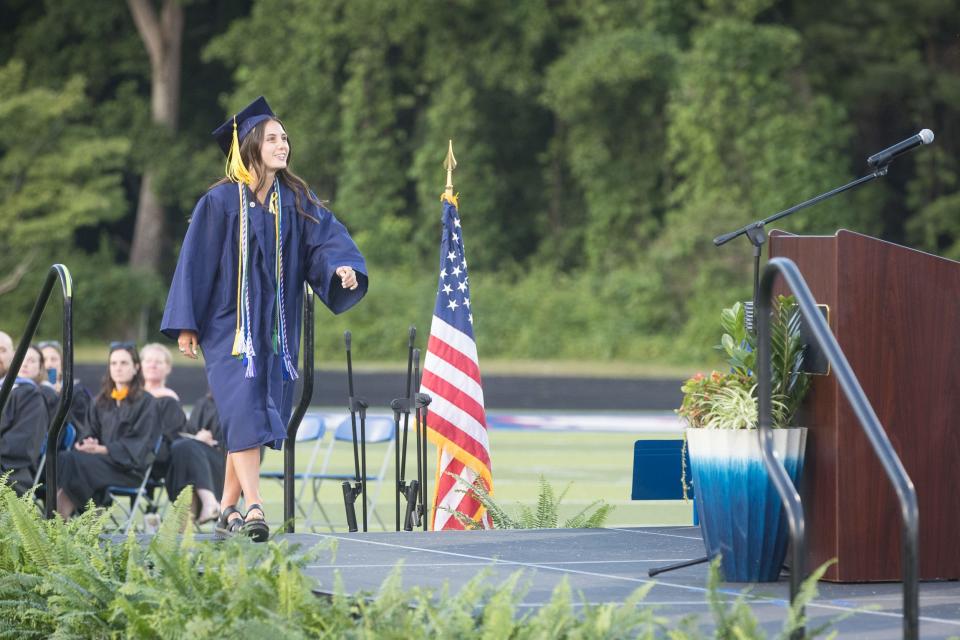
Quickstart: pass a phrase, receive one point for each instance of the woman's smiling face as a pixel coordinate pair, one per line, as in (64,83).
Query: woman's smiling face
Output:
(275,148)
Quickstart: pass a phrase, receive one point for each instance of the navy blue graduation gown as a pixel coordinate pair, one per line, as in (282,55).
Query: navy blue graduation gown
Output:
(254,411)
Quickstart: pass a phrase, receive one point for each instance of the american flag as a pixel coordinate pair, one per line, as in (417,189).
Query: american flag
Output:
(456,419)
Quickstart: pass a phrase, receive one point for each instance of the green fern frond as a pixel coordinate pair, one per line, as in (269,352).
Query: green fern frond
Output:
(27,524)
(177,519)
(547,516)
(501,519)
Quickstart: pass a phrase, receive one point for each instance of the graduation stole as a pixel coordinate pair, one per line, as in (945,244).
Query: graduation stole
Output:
(243,340)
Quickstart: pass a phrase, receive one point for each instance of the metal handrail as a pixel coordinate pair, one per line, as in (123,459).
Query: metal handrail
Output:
(867,418)
(66,389)
(289,449)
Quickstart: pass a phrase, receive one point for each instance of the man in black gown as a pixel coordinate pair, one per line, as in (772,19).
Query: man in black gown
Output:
(23,424)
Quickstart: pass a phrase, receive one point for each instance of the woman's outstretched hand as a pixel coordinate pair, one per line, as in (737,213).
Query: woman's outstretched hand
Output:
(348,278)
(189,343)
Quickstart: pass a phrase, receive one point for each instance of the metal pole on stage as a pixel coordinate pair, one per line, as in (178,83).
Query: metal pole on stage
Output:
(306,393)
(421,402)
(402,406)
(356,405)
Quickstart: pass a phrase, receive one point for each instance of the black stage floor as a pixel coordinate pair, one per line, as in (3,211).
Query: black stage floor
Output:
(606,566)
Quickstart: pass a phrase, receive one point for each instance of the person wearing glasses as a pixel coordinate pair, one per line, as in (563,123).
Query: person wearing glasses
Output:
(254,238)
(116,444)
(23,424)
(187,456)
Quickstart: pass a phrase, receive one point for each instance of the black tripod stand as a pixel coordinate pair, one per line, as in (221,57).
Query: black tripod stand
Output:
(359,486)
(409,490)
(421,402)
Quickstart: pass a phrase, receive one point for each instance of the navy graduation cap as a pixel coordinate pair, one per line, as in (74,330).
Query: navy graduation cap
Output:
(251,115)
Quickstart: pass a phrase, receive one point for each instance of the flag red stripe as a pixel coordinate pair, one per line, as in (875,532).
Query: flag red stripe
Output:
(454,396)
(468,505)
(457,358)
(458,437)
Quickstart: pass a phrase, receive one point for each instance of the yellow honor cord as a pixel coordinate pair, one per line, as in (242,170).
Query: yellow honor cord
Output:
(238,337)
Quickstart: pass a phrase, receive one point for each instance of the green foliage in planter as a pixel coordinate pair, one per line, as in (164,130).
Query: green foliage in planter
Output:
(722,400)
(788,384)
(544,516)
(64,580)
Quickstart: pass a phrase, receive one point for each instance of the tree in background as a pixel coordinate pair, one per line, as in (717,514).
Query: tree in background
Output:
(162,35)
(747,136)
(57,170)
(602,145)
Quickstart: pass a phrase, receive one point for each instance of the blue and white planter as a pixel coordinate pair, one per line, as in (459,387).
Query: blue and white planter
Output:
(739,508)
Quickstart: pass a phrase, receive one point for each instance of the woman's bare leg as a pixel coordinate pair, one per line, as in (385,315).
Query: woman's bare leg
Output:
(207,505)
(246,466)
(65,506)
(231,486)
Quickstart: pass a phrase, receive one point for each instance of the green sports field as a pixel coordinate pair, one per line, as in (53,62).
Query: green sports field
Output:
(596,465)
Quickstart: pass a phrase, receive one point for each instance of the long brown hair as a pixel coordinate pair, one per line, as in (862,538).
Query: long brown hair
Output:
(250,154)
(134,389)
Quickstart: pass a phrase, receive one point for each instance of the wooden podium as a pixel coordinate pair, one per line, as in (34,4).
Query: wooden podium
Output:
(896,314)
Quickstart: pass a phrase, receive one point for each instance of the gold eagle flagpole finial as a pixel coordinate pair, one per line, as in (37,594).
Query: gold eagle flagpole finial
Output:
(449,164)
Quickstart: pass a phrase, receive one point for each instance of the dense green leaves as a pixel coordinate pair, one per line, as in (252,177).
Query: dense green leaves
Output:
(601,145)
(62,580)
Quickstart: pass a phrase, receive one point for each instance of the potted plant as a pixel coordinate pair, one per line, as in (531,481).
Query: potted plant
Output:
(738,506)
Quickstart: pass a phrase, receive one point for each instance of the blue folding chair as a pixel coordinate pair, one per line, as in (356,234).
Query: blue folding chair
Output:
(657,471)
(378,430)
(67,438)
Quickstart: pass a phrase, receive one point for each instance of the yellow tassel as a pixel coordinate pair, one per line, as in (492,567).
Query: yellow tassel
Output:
(235,169)
(238,344)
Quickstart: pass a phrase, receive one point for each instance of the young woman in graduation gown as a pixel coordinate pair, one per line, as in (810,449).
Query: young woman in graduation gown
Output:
(117,442)
(253,239)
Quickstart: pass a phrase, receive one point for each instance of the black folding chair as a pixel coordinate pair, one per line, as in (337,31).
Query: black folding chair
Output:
(141,497)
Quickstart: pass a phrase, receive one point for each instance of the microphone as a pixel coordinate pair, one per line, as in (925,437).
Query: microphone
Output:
(885,157)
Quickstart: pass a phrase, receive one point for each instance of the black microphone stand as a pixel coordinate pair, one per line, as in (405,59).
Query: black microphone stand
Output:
(421,402)
(352,491)
(757,234)
(402,406)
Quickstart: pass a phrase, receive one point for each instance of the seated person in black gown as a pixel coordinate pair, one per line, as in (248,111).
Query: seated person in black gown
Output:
(200,459)
(116,444)
(53,365)
(23,424)
(32,368)
(182,460)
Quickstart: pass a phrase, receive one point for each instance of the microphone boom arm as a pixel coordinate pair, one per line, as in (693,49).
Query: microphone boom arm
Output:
(727,237)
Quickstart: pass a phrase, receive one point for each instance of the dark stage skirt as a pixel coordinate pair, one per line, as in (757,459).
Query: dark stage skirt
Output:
(83,476)
(195,463)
